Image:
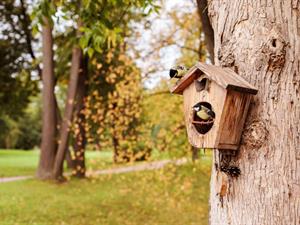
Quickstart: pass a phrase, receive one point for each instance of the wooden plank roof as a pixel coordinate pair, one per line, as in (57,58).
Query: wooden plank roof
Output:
(224,77)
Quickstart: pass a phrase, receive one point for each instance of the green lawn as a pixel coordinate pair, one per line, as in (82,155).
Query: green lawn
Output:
(18,163)
(174,195)
(15,163)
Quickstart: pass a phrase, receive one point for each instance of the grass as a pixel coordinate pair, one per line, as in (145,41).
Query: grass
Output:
(16,163)
(19,163)
(174,195)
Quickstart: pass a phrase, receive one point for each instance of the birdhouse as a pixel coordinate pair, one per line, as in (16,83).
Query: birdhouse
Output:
(224,95)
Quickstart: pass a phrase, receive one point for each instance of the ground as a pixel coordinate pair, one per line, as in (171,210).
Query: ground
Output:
(20,163)
(173,195)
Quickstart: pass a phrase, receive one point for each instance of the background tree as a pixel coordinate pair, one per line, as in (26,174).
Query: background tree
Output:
(104,29)
(17,73)
(183,36)
(261,43)
(48,142)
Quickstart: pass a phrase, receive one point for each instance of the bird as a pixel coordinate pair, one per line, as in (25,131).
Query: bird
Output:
(177,71)
(203,112)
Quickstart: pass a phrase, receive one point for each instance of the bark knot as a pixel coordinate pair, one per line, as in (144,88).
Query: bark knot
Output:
(255,135)
(274,49)
(225,54)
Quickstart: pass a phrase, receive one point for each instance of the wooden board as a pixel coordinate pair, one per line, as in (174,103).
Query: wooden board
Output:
(188,78)
(224,77)
(233,118)
(216,97)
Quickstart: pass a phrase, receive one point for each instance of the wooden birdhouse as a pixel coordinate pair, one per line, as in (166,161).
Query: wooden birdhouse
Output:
(223,92)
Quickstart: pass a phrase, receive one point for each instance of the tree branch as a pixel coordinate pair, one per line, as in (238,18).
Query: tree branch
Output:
(28,36)
(206,27)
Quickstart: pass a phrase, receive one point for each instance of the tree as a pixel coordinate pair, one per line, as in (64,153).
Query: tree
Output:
(260,41)
(99,24)
(16,61)
(48,144)
(68,115)
(206,28)
(80,141)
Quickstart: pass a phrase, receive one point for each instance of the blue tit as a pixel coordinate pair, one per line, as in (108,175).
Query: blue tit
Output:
(178,72)
(203,112)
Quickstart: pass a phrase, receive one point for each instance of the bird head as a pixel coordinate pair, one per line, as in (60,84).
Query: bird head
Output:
(197,107)
(173,72)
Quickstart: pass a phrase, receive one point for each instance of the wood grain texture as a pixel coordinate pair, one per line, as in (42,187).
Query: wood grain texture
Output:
(231,109)
(215,95)
(261,40)
(188,78)
(224,77)
(233,118)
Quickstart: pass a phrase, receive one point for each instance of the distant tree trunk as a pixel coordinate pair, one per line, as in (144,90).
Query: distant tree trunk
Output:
(206,28)
(117,157)
(260,40)
(78,163)
(195,153)
(59,122)
(48,144)
(67,119)
(68,158)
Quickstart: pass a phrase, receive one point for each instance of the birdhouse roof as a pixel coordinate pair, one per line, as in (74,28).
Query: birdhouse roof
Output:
(224,77)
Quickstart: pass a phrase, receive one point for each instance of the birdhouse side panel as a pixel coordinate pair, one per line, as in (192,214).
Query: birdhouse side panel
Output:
(233,118)
(214,95)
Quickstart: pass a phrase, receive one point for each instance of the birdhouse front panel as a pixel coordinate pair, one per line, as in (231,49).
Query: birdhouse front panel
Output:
(213,95)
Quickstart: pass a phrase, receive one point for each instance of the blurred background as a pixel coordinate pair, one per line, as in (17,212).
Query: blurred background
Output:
(101,98)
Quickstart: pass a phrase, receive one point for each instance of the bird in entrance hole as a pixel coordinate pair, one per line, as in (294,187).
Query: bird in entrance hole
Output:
(203,112)
(177,72)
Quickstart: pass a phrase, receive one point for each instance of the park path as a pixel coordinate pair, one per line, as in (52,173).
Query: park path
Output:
(126,169)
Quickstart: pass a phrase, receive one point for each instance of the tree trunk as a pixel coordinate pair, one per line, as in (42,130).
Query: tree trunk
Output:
(206,28)
(48,144)
(67,119)
(68,157)
(260,40)
(195,153)
(80,137)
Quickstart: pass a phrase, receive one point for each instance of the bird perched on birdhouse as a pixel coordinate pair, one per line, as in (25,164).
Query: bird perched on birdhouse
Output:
(177,72)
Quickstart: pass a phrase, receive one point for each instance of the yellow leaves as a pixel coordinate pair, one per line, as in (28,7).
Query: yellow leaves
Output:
(113,106)
(109,56)
(95,93)
(111,78)
(99,66)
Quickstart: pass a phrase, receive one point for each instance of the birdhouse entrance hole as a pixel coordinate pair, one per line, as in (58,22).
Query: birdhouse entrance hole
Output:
(201,84)
(202,126)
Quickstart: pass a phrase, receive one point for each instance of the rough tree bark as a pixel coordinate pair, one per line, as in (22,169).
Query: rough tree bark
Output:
(80,136)
(68,114)
(260,40)
(48,145)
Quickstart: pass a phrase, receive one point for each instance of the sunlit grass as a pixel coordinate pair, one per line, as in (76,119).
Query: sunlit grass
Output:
(15,163)
(20,163)
(174,195)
